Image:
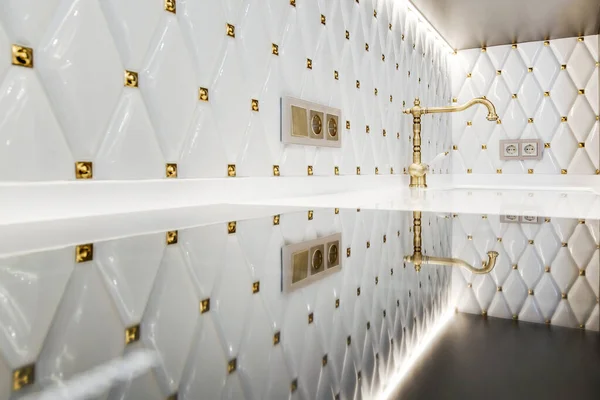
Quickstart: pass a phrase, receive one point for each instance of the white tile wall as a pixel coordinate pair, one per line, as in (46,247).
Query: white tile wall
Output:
(532,94)
(545,273)
(67,317)
(72,106)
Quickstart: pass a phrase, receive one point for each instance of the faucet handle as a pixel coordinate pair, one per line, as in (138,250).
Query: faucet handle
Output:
(418,170)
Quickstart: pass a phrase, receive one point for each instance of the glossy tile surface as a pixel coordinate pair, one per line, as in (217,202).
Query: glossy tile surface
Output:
(553,84)
(365,320)
(73,105)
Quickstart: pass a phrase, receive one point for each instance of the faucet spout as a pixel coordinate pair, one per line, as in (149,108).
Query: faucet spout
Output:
(487,267)
(492,116)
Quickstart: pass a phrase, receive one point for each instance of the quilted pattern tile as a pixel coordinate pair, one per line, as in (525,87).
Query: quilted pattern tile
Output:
(541,90)
(249,341)
(546,273)
(369,58)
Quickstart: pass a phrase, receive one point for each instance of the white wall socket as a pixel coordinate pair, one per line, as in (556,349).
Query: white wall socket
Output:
(521,149)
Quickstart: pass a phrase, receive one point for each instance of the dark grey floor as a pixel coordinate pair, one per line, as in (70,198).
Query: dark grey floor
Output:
(477,358)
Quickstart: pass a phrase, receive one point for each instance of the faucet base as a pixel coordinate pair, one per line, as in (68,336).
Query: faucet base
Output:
(418,182)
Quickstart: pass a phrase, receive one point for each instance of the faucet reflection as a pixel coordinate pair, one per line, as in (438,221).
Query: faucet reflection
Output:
(418,258)
(417,169)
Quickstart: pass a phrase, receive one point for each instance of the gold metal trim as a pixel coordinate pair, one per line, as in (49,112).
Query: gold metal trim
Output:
(357,170)
(204,305)
(311,318)
(22,56)
(22,377)
(358,291)
(337,211)
(530,120)
(274,49)
(255,287)
(324,360)
(130,79)
(171,237)
(348,252)
(276,338)
(276,170)
(310,215)
(231,227)
(581,91)
(347,35)
(203,94)
(254,105)
(171,6)
(84,170)
(171,170)
(276,219)
(230,29)
(336,170)
(323,19)
(563,119)
(309,170)
(231,171)
(308,63)
(336,75)
(132,334)
(84,252)
(231,365)
(563,67)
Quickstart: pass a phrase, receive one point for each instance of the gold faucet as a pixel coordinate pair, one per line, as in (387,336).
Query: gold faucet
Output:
(418,258)
(417,169)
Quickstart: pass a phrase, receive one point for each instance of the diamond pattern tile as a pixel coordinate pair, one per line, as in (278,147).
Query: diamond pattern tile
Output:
(553,85)
(545,273)
(249,341)
(74,106)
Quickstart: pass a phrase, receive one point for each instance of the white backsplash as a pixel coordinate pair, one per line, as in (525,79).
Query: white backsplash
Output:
(532,93)
(73,106)
(545,273)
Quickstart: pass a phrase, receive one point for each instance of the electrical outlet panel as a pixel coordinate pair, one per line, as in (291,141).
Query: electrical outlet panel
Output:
(307,262)
(311,124)
(521,149)
(523,219)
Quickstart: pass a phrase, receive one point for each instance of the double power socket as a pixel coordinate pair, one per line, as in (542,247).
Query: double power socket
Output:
(521,149)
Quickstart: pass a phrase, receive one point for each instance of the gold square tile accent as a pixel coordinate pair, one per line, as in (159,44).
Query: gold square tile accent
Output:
(255,287)
(83,170)
(382,57)
(455,147)
(514,46)
(336,211)
(581,91)
(308,63)
(384,238)
(530,120)
(376,170)
(515,266)
(231,365)
(274,49)
(581,221)
(368,244)
(347,124)
(368,325)
(231,227)
(309,170)
(367,129)
(581,145)
(276,170)
(563,67)
(469,171)
(546,43)
(397,135)
(498,121)
(531,241)
(171,237)
(397,66)
(84,252)
(564,244)
(530,171)
(376,280)
(357,170)
(203,94)
(358,291)
(336,75)
(546,145)
(171,6)
(311,318)
(530,69)
(514,96)
(547,269)
(230,30)
(484,147)
(530,292)
(323,19)
(294,385)
(336,170)
(132,334)
(469,75)
(547,94)
(130,79)
(483,49)
(357,84)
(310,215)
(454,100)
(375,91)
(563,171)
(563,119)
(348,252)
(231,170)
(22,56)
(390,26)
(391,170)
(580,39)
(276,338)
(254,105)
(499,288)
(171,170)
(469,285)
(337,303)
(347,35)
(582,272)
(563,296)
(469,123)
(469,237)
(204,306)
(391,98)
(499,72)
(375,13)
(276,219)
(22,377)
